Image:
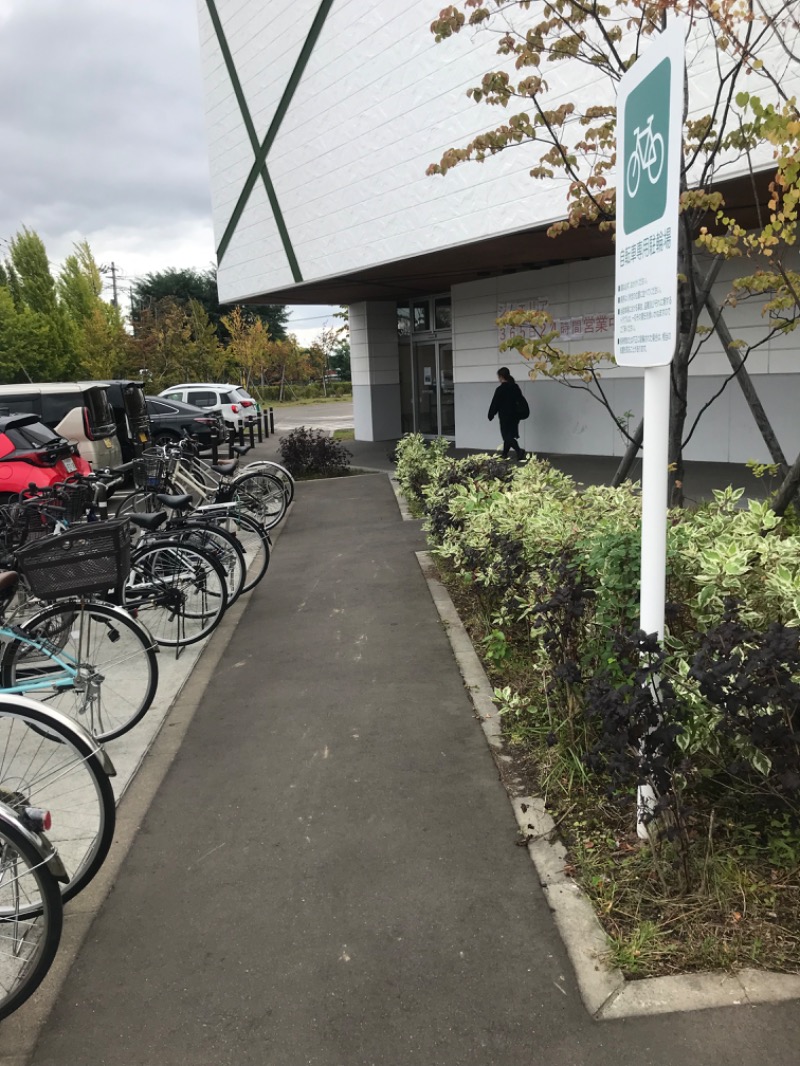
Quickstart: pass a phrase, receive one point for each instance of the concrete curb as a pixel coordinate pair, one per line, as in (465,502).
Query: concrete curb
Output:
(359,471)
(405,514)
(605,992)
(20,1031)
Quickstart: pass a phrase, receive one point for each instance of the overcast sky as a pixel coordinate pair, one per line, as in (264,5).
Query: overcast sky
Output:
(103,136)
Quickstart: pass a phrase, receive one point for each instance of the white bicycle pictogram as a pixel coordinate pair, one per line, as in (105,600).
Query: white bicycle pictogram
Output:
(649,156)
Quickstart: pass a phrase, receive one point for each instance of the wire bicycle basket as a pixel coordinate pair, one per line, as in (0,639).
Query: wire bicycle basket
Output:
(95,557)
(74,499)
(151,473)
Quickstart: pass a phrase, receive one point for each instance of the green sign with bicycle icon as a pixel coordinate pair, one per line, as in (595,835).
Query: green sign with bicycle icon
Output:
(646,145)
(649,132)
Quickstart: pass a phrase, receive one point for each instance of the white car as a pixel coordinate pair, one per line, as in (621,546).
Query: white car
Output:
(234,404)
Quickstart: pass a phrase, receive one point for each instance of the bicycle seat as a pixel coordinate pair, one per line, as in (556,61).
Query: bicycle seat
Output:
(175,503)
(150,522)
(226,469)
(241,449)
(9,579)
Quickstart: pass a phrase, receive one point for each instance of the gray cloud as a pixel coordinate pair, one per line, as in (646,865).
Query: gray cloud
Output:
(102,123)
(103,135)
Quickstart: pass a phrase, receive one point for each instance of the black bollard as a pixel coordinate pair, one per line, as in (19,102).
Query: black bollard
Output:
(214,446)
(271,420)
(241,434)
(252,431)
(259,427)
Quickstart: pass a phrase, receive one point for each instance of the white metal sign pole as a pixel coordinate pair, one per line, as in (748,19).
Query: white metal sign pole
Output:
(652,590)
(654,499)
(649,151)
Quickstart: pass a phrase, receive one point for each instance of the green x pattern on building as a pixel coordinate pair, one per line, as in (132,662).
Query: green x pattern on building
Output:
(261,149)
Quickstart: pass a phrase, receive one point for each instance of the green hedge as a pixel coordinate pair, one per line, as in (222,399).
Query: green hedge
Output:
(271,393)
(551,570)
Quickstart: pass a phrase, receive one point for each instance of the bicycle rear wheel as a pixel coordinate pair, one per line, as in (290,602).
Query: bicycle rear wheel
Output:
(223,546)
(252,537)
(90,661)
(47,761)
(28,941)
(179,592)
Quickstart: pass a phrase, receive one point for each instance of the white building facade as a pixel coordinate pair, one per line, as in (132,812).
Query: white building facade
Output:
(323,117)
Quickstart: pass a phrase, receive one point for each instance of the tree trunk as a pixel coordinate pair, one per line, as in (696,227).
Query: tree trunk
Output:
(630,455)
(679,374)
(747,387)
(788,489)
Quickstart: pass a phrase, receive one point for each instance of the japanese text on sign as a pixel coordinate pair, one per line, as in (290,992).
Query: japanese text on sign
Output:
(572,328)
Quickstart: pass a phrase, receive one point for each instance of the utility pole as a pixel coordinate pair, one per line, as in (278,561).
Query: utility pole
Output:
(112,270)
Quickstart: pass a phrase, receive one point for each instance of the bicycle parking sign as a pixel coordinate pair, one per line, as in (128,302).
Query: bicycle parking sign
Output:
(649,122)
(646,132)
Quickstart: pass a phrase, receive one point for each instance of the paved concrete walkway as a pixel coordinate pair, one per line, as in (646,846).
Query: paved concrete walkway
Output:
(329,874)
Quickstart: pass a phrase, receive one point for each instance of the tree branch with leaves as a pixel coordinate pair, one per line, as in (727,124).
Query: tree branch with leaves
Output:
(572,137)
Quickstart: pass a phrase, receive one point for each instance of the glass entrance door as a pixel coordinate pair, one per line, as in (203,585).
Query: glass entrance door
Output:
(434,393)
(426,389)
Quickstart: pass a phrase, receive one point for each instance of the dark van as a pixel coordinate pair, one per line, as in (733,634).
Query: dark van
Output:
(81,413)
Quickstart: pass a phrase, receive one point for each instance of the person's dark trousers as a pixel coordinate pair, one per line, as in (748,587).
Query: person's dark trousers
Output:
(512,442)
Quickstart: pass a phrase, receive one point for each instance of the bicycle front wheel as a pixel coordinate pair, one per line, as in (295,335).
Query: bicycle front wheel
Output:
(90,661)
(261,495)
(267,466)
(28,941)
(179,592)
(47,761)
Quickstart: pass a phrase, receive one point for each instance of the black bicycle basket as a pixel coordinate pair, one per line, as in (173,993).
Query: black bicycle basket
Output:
(151,473)
(95,557)
(75,498)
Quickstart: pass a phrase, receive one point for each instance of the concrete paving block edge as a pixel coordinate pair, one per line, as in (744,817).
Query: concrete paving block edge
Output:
(605,992)
(405,514)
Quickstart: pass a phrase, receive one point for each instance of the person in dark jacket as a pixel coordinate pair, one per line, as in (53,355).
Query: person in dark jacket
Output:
(505,404)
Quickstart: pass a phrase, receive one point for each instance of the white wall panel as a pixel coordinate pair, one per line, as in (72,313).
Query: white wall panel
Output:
(379,100)
(568,420)
(256,235)
(230,151)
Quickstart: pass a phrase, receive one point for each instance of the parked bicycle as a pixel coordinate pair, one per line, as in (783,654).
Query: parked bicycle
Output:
(31,907)
(176,588)
(85,657)
(170,470)
(178,596)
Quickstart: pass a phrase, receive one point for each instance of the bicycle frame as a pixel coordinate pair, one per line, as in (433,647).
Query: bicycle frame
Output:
(183,479)
(202,468)
(67,663)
